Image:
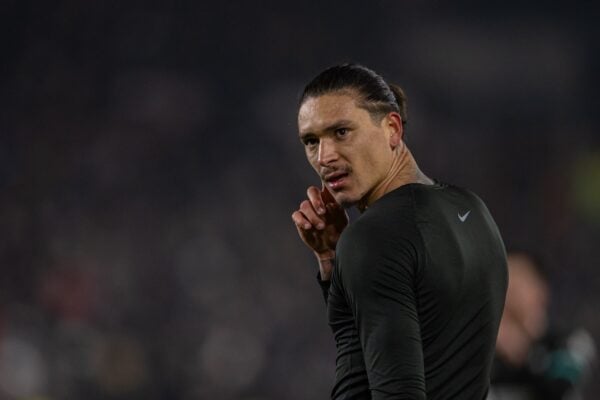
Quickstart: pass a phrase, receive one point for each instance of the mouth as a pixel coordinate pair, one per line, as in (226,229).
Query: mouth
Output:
(336,180)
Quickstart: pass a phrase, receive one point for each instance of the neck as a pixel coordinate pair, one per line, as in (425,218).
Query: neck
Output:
(403,170)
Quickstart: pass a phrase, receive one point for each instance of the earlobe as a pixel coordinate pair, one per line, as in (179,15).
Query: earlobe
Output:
(394,140)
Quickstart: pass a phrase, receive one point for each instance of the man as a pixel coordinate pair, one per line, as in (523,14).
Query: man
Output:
(415,286)
(534,360)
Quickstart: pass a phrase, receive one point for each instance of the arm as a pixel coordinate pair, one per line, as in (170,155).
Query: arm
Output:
(378,278)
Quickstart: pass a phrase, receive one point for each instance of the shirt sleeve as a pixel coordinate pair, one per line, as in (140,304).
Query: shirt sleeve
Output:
(379,283)
(324,286)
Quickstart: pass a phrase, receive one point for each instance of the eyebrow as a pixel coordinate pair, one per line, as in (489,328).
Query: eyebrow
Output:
(336,125)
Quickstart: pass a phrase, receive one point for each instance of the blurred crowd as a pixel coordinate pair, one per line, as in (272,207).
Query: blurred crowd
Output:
(149,164)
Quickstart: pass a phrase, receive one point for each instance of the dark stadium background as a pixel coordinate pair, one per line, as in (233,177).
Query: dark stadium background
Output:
(149,165)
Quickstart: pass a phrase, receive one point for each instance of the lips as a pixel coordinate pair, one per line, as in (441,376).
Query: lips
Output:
(335,180)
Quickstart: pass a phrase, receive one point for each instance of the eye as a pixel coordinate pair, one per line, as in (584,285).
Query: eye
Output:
(310,142)
(341,132)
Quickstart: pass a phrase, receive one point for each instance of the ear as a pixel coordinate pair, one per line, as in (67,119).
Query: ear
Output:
(393,126)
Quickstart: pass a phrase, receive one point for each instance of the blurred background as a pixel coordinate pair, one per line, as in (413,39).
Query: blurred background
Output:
(149,164)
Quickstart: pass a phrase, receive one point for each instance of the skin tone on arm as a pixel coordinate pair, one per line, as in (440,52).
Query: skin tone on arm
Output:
(358,158)
(525,311)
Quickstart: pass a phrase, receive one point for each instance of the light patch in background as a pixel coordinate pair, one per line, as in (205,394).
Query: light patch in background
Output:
(170,102)
(485,61)
(232,359)
(22,370)
(586,186)
(119,365)
(276,110)
(203,261)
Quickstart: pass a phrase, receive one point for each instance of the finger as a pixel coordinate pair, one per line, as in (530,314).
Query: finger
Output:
(314,195)
(300,221)
(310,214)
(327,196)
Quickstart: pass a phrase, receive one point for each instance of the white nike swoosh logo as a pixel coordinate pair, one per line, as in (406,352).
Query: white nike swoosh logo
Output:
(463,218)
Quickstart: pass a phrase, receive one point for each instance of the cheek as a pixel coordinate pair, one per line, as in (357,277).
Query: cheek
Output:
(373,159)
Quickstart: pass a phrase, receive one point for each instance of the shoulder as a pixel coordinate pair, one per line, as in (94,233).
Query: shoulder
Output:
(382,240)
(441,192)
(381,228)
(442,202)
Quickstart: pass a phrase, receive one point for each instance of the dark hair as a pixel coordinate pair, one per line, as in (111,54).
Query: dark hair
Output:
(377,96)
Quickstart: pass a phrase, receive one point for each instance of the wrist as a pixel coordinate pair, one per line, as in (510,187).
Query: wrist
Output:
(326,262)
(328,255)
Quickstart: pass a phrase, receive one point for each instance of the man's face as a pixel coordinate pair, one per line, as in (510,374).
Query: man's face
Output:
(350,152)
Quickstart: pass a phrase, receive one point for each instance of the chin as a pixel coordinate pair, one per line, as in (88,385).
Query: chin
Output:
(346,200)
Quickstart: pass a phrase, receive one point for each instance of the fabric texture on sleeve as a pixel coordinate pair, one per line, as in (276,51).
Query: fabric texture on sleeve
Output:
(325,285)
(378,277)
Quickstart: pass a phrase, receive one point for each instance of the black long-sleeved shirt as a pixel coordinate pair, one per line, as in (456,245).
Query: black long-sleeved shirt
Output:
(416,297)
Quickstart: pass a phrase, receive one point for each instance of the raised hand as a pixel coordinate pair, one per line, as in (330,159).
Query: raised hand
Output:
(320,221)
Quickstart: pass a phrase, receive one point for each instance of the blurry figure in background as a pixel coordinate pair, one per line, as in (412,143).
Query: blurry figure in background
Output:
(533,359)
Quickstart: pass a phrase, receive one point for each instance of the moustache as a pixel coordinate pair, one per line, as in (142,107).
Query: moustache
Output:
(332,171)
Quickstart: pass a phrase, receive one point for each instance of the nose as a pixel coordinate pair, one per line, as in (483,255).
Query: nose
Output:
(327,152)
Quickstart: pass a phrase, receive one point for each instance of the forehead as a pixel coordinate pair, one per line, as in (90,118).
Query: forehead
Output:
(317,113)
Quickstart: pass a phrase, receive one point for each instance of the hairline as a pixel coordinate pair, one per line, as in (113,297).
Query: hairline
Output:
(377,109)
